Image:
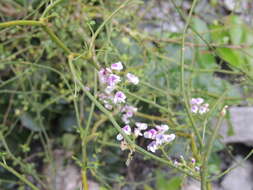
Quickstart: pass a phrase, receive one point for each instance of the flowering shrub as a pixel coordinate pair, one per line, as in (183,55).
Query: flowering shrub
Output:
(55,47)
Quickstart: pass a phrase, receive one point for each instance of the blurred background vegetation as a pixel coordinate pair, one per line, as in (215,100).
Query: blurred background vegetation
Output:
(39,136)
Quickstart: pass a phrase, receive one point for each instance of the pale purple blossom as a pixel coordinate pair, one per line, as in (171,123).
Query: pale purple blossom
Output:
(117,66)
(198,106)
(132,78)
(119,97)
(169,138)
(109,89)
(152,147)
(160,139)
(194,109)
(129,110)
(203,109)
(162,128)
(150,134)
(197,101)
(113,79)
(127,129)
(125,118)
(164,138)
(141,126)
(103,74)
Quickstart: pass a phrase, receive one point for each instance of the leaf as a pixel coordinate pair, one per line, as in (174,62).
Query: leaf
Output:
(236,30)
(201,27)
(28,122)
(219,34)
(231,56)
(205,59)
(68,140)
(173,183)
(147,187)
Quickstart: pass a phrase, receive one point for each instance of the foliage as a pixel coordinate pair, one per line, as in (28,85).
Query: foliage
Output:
(48,65)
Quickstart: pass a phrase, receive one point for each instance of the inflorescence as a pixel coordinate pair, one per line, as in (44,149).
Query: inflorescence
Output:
(115,99)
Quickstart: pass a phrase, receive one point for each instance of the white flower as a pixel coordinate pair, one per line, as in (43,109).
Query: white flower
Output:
(137,132)
(119,137)
(141,126)
(119,97)
(125,119)
(162,128)
(108,106)
(117,66)
(132,78)
(109,89)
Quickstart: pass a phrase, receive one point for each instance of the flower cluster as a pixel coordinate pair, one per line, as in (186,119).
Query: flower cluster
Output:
(157,134)
(112,98)
(198,106)
(189,165)
(109,81)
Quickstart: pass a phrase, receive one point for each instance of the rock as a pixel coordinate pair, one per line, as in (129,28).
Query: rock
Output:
(242,126)
(239,178)
(64,176)
(195,185)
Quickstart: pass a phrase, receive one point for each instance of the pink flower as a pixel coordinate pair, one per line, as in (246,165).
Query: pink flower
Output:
(194,108)
(119,97)
(129,110)
(197,101)
(113,79)
(127,130)
(103,74)
(132,78)
(198,106)
(117,66)
(150,134)
(152,147)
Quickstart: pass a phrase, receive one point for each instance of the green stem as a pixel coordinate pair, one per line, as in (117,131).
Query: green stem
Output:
(231,168)
(182,79)
(92,43)
(21,23)
(51,6)
(166,110)
(205,158)
(18,175)
(56,39)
